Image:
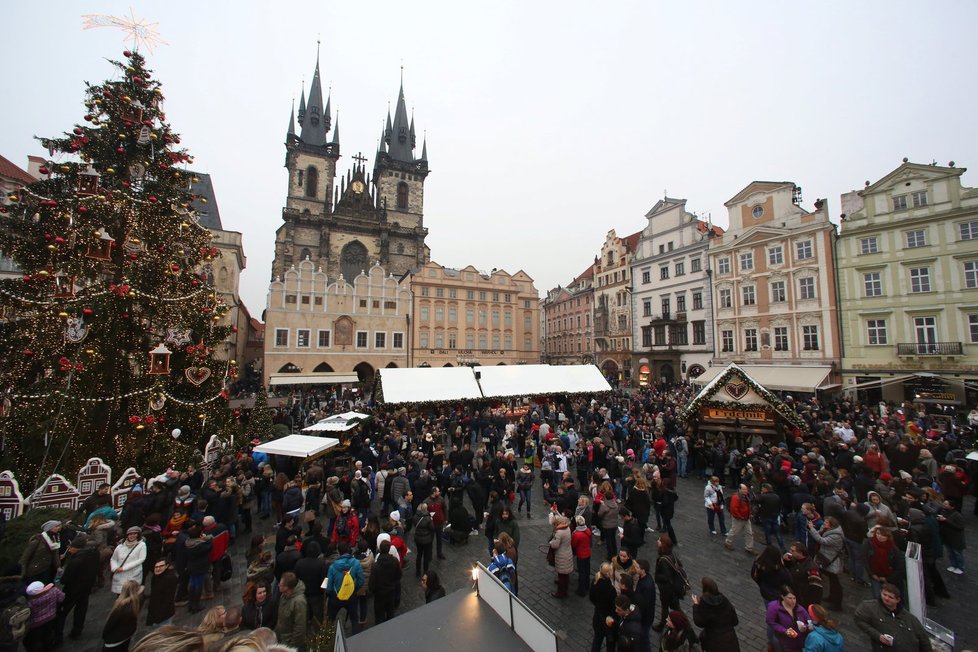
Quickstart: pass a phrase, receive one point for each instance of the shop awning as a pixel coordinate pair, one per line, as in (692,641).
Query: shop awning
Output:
(784,378)
(322,378)
(430,384)
(298,446)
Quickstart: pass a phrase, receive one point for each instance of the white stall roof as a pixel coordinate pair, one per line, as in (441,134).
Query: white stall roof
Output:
(323,377)
(298,446)
(786,378)
(429,384)
(530,379)
(338,422)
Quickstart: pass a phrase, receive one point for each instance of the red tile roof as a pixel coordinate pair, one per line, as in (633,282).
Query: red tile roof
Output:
(632,241)
(588,273)
(703,227)
(11,171)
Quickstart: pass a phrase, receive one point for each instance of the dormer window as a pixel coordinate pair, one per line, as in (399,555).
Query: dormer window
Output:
(919,198)
(900,202)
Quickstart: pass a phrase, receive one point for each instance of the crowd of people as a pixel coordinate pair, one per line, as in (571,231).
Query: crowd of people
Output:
(849,492)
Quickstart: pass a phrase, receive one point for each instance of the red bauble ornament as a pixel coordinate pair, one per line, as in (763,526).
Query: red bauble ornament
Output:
(28,352)
(83,209)
(126,53)
(125,183)
(125,315)
(133,256)
(234,329)
(87,311)
(237,412)
(137,79)
(78,130)
(174,268)
(119,150)
(194,283)
(43,170)
(152,200)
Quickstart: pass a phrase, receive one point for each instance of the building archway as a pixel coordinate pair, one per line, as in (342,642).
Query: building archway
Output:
(695,371)
(391,365)
(609,368)
(448,364)
(322,367)
(289,368)
(667,374)
(365,372)
(500,364)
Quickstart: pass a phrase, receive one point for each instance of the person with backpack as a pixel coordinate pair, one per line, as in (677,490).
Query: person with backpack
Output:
(670,579)
(344,579)
(15,614)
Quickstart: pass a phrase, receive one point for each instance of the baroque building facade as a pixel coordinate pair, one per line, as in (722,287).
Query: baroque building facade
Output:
(908,285)
(467,317)
(774,286)
(672,312)
(566,322)
(613,307)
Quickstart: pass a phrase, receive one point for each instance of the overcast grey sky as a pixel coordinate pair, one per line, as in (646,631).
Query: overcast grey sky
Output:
(548,123)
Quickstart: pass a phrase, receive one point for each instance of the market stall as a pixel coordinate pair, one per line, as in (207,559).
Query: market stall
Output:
(307,447)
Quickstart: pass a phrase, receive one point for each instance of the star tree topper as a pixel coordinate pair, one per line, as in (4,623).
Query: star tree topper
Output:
(138,30)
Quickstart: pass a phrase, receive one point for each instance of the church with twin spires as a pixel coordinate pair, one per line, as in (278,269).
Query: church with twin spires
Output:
(344,225)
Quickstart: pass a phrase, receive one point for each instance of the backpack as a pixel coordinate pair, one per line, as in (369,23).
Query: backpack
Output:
(227,568)
(680,582)
(347,587)
(14,621)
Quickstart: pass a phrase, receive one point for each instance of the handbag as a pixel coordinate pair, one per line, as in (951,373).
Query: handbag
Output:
(551,556)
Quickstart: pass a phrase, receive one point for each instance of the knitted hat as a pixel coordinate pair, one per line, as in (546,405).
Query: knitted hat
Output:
(49,525)
(134,530)
(35,588)
(886,477)
(345,503)
(396,516)
(79,542)
(184,491)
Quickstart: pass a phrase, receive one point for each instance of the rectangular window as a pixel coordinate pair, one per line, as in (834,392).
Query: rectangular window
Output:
(324,338)
(663,272)
(646,337)
(750,298)
(483,318)
(318,301)
(646,276)
(380,340)
(666,308)
(470,294)
(390,305)
(527,322)
(780,338)
(969,230)
(778,294)
(495,296)
(526,303)
(920,279)
(971,274)
(452,340)
(508,343)
(495,342)
(425,313)
(806,288)
(302,336)
(678,335)
(439,340)
(900,203)
(439,292)
(723,266)
(750,339)
(775,255)
(362,339)
(695,265)
(699,332)
(452,314)
(507,298)
(508,319)
(809,336)
(647,307)
(423,339)
(680,303)
(925,329)
(873,284)
(747,261)
(697,300)
(439,314)
(470,316)
(876,331)
(680,269)
(305,300)
(660,335)
(804,250)
(495,319)
(973,328)
(482,296)
(919,198)
(869,245)
(424,290)
(397,340)
(483,341)
(281,337)
(916,239)
(726,298)
(469,341)
(726,337)
(452,293)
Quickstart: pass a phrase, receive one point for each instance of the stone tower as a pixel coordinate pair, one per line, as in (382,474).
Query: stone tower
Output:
(345,224)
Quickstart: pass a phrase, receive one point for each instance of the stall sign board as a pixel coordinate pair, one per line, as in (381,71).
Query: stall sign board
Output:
(767,416)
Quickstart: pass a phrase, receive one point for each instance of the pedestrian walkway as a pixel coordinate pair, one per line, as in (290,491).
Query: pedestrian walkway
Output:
(701,552)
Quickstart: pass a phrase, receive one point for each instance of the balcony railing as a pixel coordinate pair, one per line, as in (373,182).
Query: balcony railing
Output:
(930,348)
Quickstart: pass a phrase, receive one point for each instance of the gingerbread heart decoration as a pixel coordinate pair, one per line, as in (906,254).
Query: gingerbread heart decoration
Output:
(736,390)
(197,375)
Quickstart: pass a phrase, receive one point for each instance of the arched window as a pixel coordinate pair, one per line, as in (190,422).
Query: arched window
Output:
(306,255)
(312,180)
(402,195)
(353,260)
(222,278)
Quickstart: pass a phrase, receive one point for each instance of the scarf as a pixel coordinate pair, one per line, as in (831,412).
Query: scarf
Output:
(51,544)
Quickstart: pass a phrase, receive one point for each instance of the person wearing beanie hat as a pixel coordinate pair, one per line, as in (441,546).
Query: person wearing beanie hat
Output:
(127,560)
(346,526)
(43,599)
(678,634)
(42,555)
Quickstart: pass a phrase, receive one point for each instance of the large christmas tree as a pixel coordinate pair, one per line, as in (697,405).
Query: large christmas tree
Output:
(107,342)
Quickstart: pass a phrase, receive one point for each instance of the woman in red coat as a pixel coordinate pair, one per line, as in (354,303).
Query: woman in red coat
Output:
(581,546)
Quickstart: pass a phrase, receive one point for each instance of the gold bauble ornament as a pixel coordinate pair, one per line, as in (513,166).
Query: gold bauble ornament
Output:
(63,315)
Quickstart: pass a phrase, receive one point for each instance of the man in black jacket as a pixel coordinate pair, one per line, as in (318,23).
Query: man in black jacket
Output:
(384,578)
(81,567)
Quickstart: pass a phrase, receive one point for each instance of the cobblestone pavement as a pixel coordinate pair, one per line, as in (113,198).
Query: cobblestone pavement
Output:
(702,554)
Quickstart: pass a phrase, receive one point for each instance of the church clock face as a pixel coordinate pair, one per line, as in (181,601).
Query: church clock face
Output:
(357,186)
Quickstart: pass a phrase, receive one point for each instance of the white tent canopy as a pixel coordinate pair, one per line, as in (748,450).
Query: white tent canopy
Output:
(319,378)
(786,378)
(298,446)
(462,383)
(338,422)
(527,380)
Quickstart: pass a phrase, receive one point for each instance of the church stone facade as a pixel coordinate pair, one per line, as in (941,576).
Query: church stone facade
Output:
(345,223)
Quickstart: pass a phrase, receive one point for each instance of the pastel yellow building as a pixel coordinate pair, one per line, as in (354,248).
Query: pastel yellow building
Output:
(908,287)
